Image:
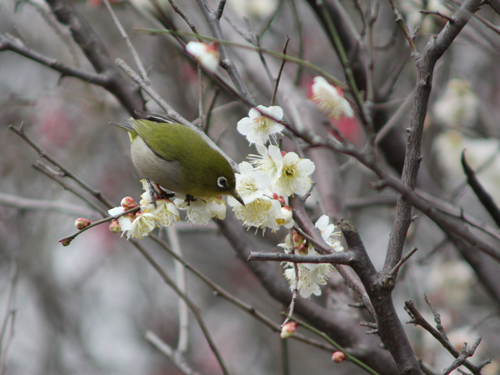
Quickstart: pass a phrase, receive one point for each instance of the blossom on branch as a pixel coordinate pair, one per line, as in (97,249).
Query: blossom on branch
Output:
(330,99)
(206,54)
(258,128)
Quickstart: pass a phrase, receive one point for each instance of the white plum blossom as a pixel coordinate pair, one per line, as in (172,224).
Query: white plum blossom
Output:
(330,99)
(142,225)
(328,233)
(201,210)
(260,213)
(260,209)
(165,212)
(294,177)
(258,128)
(250,184)
(206,54)
(311,275)
(270,161)
(124,221)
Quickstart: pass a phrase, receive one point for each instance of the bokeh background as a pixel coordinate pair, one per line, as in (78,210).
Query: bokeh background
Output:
(85,308)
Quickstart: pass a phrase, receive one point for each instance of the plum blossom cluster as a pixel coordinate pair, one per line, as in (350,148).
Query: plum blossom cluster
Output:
(266,182)
(162,212)
(310,275)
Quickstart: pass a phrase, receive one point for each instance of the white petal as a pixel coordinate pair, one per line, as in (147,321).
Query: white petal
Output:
(306,166)
(322,222)
(245,126)
(275,112)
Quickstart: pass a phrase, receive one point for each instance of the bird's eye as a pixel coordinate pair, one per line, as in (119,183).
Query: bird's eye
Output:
(222,182)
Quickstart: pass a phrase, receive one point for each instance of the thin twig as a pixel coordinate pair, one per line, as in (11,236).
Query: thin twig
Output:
(64,171)
(125,37)
(337,258)
(8,42)
(98,222)
(444,16)
(183,16)
(273,98)
(55,175)
(350,357)
(439,334)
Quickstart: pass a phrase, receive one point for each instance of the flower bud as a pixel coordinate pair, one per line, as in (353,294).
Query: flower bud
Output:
(127,203)
(279,198)
(206,54)
(338,357)
(81,223)
(66,241)
(288,330)
(114,226)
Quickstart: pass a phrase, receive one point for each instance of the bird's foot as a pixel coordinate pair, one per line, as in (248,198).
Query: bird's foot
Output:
(189,199)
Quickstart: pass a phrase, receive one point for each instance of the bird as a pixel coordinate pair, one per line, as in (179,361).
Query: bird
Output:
(179,159)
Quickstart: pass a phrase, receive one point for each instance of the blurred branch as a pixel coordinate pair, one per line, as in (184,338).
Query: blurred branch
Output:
(181,277)
(95,51)
(41,204)
(56,176)
(176,356)
(9,315)
(194,309)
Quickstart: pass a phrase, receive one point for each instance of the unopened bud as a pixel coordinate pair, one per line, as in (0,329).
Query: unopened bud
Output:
(81,223)
(283,153)
(66,241)
(338,357)
(288,330)
(127,203)
(114,226)
(279,198)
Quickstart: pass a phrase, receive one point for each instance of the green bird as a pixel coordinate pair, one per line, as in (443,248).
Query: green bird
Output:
(179,159)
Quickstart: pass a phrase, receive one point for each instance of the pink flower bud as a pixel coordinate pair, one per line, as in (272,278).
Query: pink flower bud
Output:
(114,226)
(283,153)
(338,357)
(288,330)
(127,203)
(81,223)
(66,241)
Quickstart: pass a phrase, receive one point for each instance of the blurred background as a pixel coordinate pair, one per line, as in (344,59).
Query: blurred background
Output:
(85,308)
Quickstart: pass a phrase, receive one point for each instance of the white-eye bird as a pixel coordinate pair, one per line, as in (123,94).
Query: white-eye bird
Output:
(179,159)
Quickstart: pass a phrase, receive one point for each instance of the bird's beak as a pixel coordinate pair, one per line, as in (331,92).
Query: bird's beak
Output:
(236,196)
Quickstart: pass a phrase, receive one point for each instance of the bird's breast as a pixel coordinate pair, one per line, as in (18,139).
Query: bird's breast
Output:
(166,173)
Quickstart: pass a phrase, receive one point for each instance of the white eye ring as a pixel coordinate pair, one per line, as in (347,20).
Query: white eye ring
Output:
(222,182)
